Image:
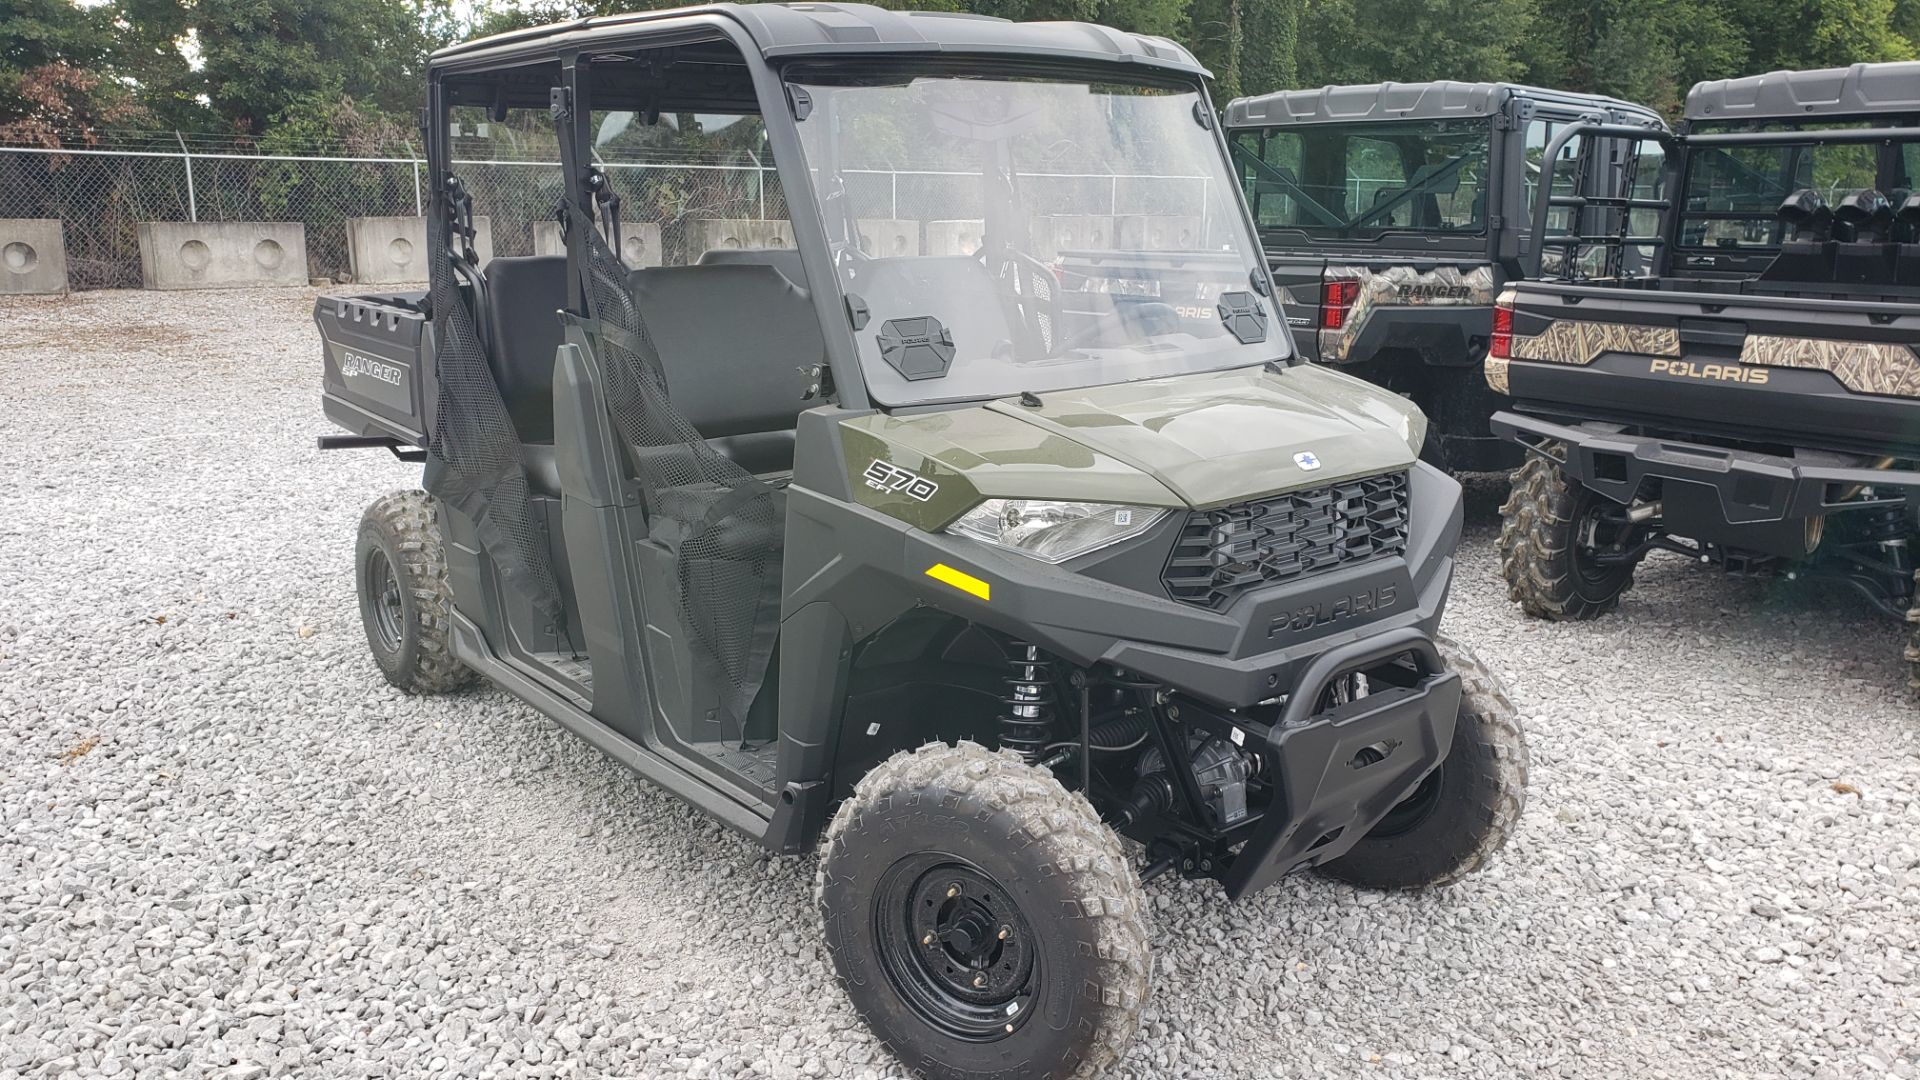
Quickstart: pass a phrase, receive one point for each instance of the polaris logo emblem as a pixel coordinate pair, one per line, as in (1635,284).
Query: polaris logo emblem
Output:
(1306,461)
(881,476)
(1687,369)
(1327,612)
(353,365)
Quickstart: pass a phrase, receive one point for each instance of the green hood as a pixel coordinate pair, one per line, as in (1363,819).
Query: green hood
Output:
(1196,441)
(1229,436)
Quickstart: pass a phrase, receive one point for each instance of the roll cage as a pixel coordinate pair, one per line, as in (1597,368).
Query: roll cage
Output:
(1605,222)
(587,65)
(1508,112)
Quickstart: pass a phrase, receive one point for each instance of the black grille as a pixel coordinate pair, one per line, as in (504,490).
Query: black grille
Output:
(1223,553)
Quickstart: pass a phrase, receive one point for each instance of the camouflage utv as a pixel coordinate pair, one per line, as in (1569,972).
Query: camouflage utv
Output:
(1751,399)
(1393,213)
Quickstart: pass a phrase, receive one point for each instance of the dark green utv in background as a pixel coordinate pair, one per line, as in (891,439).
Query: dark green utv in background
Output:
(888,504)
(1393,213)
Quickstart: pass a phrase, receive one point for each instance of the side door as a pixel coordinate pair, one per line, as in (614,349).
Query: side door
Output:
(666,450)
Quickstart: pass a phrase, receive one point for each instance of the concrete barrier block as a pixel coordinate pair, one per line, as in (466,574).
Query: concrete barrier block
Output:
(222,254)
(1160,232)
(33,256)
(387,250)
(955,237)
(639,242)
(887,238)
(1072,232)
(742,233)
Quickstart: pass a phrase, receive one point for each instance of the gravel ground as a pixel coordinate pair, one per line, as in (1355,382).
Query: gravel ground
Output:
(230,849)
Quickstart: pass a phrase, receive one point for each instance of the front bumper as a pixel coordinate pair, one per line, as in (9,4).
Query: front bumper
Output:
(1342,770)
(1753,488)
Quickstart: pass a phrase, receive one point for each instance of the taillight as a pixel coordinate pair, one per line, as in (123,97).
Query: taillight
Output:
(1336,301)
(1501,347)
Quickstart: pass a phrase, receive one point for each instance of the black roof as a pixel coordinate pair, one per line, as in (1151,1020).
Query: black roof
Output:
(784,31)
(1443,100)
(1863,89)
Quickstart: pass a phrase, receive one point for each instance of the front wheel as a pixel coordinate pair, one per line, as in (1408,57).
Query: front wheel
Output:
(1466,809)
(1563,549)
(982,919)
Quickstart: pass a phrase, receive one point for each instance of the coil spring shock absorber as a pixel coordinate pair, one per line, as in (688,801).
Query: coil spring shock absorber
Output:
(1887,527)
(1028,720)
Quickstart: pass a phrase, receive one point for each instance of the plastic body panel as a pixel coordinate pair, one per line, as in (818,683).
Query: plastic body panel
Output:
(1713,374)
(377,375)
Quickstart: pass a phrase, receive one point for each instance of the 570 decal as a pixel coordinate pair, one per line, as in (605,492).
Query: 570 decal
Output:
(880,476)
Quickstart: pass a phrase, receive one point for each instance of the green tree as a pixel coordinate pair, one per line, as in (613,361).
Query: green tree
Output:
(1360,41)
(1647,51)
(1165,18)
(235,64)
(1824,33)
(50,42)
(1269,46)
(260,57)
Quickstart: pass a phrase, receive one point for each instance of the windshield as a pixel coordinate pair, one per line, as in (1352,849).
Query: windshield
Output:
(1348,180)
(1733,193)
(997,235)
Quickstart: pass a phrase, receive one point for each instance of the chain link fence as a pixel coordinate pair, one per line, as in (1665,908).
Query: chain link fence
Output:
(101,196)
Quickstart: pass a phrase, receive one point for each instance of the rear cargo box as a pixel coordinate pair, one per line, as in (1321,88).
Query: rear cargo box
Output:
(378,374)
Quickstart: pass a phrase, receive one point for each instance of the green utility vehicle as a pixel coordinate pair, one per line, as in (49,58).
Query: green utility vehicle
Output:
(829,482)
(1753,401)
(1393,213)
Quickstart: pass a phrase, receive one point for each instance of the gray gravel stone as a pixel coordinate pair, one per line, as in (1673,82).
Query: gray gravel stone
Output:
(230,849)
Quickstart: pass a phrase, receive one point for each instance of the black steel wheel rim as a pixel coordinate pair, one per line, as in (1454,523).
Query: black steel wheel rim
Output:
(956,948)
(384,603)
(1411,812)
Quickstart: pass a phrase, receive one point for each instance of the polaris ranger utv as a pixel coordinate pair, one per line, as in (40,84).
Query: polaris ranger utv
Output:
(1754,403)
(1392,214)
(959,565)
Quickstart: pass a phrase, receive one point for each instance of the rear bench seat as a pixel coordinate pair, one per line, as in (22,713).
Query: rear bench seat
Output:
(734,339)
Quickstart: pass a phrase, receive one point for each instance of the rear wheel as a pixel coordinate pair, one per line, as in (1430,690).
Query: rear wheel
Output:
(1552,536)
(982,919)
(406,605)
(1466,809)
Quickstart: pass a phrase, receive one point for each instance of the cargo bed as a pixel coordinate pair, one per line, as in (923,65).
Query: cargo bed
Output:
(378,369)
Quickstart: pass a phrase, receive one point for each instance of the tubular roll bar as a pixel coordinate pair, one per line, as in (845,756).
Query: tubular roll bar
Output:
(1544,205)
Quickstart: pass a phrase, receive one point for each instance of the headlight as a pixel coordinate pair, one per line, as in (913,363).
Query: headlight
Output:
(1054,531)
